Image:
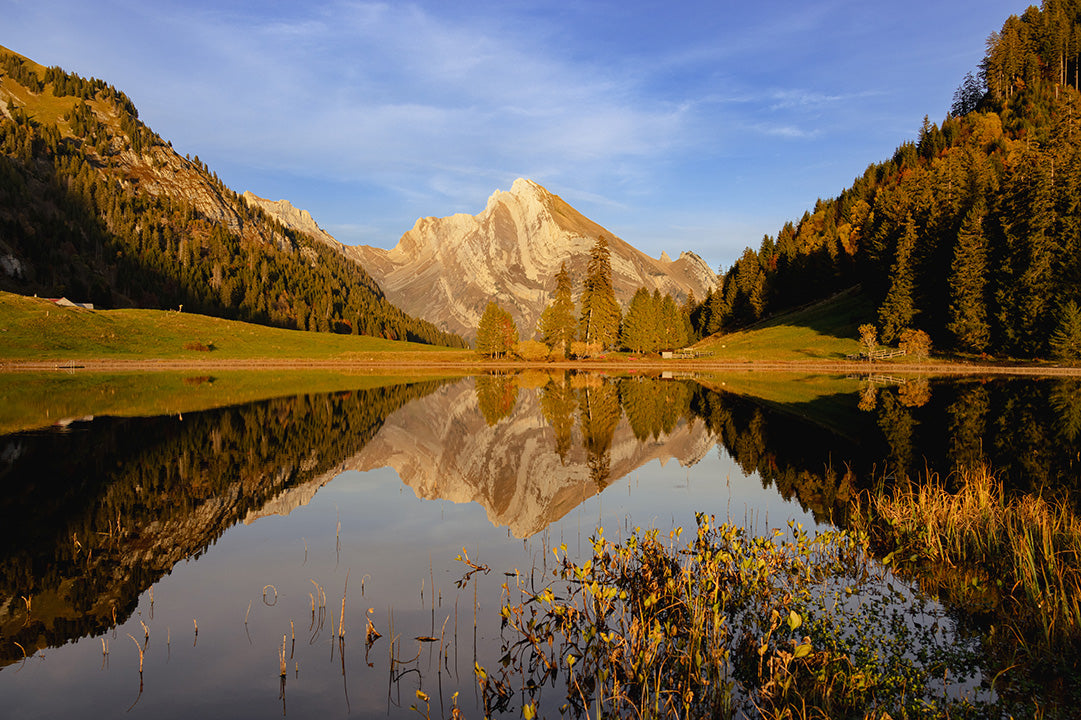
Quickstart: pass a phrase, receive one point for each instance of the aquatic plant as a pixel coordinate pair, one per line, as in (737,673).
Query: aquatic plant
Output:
(768,626)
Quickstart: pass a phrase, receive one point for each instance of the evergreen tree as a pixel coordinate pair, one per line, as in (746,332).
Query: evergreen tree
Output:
(641,328)
(968,282)
(673,328)
(557,325)
(600,315)
(899,308)
(1066,340)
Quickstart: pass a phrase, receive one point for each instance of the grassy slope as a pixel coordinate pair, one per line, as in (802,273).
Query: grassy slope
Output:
(827,330)
(36,329)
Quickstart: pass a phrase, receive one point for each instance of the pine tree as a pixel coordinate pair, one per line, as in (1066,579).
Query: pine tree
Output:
(600,316)
(1066,340)
(899,308)
(557,325)
(968,283)
(641,332)
(673,330)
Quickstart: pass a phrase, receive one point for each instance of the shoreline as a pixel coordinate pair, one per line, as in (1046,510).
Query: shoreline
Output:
(403,364)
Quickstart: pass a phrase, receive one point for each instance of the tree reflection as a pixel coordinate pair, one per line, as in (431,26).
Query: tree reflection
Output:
(98,515)
(496,396)
(599,412)
(654,406)
(558,403)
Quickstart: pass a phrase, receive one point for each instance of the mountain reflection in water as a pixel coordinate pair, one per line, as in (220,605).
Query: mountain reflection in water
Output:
(94,515)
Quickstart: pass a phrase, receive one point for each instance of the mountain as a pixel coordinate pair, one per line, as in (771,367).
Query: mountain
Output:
(447,269)
(971,233)
(97,207)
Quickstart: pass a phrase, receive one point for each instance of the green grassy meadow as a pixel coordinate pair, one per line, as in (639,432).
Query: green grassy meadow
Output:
(823,331)
(34,329)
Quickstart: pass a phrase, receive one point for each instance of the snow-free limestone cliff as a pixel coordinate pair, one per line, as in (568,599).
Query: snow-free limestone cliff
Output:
(445,270)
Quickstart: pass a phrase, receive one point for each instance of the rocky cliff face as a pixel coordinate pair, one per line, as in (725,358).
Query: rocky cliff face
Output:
(445,270)
(295,219)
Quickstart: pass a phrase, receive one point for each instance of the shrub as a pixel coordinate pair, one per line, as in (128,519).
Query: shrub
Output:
(532,350)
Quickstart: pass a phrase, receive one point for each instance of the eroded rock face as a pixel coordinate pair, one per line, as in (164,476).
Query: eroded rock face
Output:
(293,218)
(445,270)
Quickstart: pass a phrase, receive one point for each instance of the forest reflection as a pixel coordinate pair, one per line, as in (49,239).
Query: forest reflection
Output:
(93,516)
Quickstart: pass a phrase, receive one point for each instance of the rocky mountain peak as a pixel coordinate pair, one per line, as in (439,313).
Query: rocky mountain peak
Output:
(447,269)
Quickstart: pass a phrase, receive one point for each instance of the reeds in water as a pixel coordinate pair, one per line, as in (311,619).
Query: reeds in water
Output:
(1027,548)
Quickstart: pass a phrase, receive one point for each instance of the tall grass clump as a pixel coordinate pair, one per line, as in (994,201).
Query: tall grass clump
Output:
(1027,550)
(730,624)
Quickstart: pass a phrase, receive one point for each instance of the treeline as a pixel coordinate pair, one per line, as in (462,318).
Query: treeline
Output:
(971,233)
(651,322)
(74,216)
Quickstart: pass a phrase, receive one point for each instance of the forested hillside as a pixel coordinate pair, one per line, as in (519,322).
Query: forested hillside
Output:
(971,233)
(96,207)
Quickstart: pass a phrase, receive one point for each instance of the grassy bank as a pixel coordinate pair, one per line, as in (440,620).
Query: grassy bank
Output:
(826,330)
(34,329)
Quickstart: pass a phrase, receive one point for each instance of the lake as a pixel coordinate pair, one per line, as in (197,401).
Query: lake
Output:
(170,543)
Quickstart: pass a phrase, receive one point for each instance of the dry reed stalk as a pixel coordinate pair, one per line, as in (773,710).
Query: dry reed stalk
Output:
(140,649)
(341,620)
(281,660)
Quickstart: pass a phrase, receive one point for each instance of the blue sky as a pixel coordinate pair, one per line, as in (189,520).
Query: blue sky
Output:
(677,125)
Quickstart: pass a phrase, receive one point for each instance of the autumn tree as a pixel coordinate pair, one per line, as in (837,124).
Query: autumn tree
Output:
(899,308)
(497,334)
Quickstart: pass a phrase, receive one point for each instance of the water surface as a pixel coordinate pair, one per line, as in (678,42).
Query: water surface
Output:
(202,538)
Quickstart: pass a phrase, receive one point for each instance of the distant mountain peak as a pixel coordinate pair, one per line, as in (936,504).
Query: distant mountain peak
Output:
(447,269)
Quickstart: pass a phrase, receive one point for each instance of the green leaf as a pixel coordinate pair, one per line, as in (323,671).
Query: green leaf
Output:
(794,620)
(802,651)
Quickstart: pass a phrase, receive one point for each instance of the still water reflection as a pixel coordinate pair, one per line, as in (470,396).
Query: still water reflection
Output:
(209,548)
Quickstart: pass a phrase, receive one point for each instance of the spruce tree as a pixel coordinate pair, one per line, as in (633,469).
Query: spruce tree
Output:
(557,325)
(899,308)
(968,283)
(1066,339)
(600,316)
(673,330)
(640,328)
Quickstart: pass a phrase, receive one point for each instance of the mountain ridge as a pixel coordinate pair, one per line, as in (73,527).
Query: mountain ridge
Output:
(447,269)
